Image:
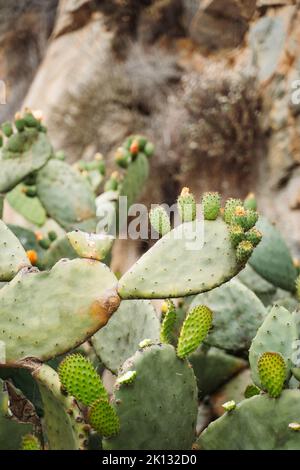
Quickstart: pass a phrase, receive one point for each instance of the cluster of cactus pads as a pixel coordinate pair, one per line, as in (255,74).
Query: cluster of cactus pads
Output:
(67,320)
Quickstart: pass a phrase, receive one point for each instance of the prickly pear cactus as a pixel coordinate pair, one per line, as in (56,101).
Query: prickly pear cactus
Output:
(12,254)
(78,292)
(93,246)
(29,207)
(134,321)
(158,410)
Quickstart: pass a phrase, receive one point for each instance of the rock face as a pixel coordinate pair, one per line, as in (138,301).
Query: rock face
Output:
(212,86)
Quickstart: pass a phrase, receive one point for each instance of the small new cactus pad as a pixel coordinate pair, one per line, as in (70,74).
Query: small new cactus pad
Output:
(62,420)
(251,390)
(57,183)
(29,207)
(272,259)
(244,251)
(30,442)
(44,314)
(103,418)
(15,166)
(127,378)
(80,379)
(211,205)
(134,321)
(278,334)
(12,255)
(253,236)
(194,330)
(11,431)
(213,368)
(186,205)
(250,202)
(160,220)
(229,405)
(272,373)
(179,264)
(230,207)
(159,409)
(167,332)
(237,234)
(258,423)
(237,314)
(93,246)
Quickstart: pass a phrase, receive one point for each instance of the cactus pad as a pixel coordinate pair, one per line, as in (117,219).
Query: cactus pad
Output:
(57,184)
(167,332)
(159,409)
(178,266)
(12,255)
(29,207)
(30,442)
(194,330)
(79,378)
(258,423)
(160,220)
(103,418)
(93,246)
(237,314)
(63,421)
(134,321)
(272,373)
(211,204)
(186,205)
(44,314)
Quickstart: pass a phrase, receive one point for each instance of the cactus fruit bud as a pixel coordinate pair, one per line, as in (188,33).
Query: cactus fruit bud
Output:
(79,378)
(160,220)
(19,122)
(251,219)
(134,147)
(145,343)
(211,203)
(272,373)
(194,330)
(122,157)
(186,206)
(294,426)
(39,236)
(103,418)
(38,114)
(149,149)
(30,120)
(251,391)
(127,378)
(44,243)
(230,206)
(254,236)
(236,234)
(244,251)
(30,442)
(30,191)
(168,324)
(239,217)
(7,129)
(250,202)
(229,405)
(32,256)
(113,182)
(52,235)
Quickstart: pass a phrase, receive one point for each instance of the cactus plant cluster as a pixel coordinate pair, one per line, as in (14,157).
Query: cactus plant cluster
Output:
(67,318)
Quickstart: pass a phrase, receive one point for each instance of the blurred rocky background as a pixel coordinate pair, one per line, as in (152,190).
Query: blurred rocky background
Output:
(210,81)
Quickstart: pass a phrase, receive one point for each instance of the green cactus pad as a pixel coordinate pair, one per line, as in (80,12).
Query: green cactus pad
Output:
(16,166)
(133,183)
(60,248)
(44,314)
(30,442)
(167,332)
(80,379)
(194,330)
(177,265)
(258,423)
(127,378)
(66,196)
(159,409)
(253,236)
(251,390)
(277,334)
(213,368)
(237,314)
(63,422)
(103,418)
(237,234)
(211,204)
(160,220)
(243,251)
(230,206)
(186,205)
(263,289)
(12,254)
(272,259)
(93,246)
(134,321)
(272,373)
(29,207)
